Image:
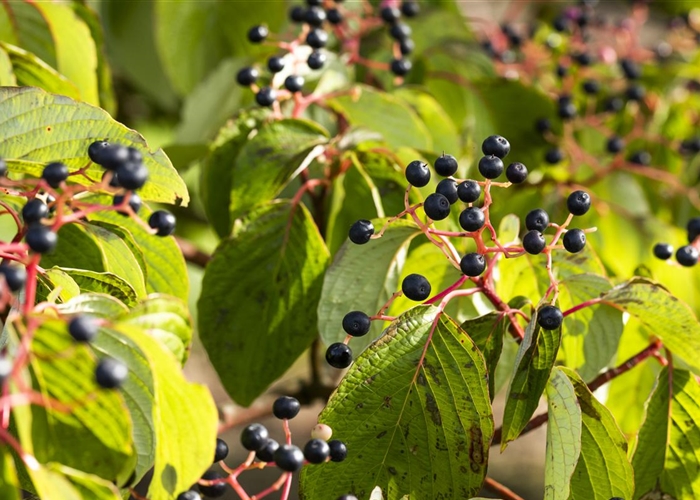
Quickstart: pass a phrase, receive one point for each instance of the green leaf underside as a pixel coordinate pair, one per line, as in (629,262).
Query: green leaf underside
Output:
(603,470)
(107,283)
(423,431)
(667,455)
(563,436)
(362,278)
(534,362)
(42,127)
(663,314)
(9,485)
(257,309)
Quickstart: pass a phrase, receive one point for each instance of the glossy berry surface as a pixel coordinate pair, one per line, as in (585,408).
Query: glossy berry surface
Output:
(97,150)
(446,165)
(55,173)
(317,38)
(294,83)
(566,108)
(630,69)
(615,144)
(15,276)
(578,202)
(316,451)
(266,96)
(289,458)
(221,450)
(693,228)
(495,145)
(687,256)
(663,251)
(591,87)
(635,92)
(469,191)
(338,450)
(418,173)
(163,222)
(254,436)
(534,242)
(400,31)
(132,175)
(83,328)
(275,64)
(334,16)
(554,156)
(257,34)
(286,407)
(390,14)
(361,232)
(347,497)
(247,76)
(490,166)
(114,157)
(110,373)
(416,287)
(472,219)
(316,60)
(315,16)
(448,188)
(410,8)
(189,495)
(41,238)
(34,210)
(437,206)
(214,490)
(472,264)
(267,452)
(356,323)
(134,202)
(400,67)
(574,240)
(406,46)
(550,317)
(640,158)
(339,355)
(516,173)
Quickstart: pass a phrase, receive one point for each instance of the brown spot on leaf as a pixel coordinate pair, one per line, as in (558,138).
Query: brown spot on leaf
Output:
(432,408)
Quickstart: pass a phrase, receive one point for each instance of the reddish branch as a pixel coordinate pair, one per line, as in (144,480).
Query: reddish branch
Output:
(193,254)
(504,492)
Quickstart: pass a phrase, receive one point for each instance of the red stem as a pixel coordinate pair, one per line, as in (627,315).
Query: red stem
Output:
(496,487)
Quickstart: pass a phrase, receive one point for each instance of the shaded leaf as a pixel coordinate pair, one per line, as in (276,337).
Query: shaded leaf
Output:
(31,71)
(487,332)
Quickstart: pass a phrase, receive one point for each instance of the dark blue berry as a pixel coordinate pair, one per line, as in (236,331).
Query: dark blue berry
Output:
(437,206)
(469,191)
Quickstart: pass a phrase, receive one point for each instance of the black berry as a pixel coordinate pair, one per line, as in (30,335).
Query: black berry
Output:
(3,168)
(495,145)
(516,173)
(347,497)
(554,156)
(690,146)
(469,191)
(615,144)
(574,240)
(163,222)
(286,407)
(549,317)
(317,38)
(400,31)
(267,452)
(289,458)
(134,155)
(110,373)
(578,202)
(446,165)
(315,16)
(97,151)
(614,104)
(361,232)
(591,87)
(630,69)
(275,64)
(687,256)
(406,46)
(316,451)
(437,206)
(400,67)
(215,490)
(114,157)
(418,173)
(567,108)
(473,264)
(339,355)
(356,323)
(294,83)
(55,173)
(640,158)
(693,229)
(132,175)
(561,71)
(410,8)
(543,125)
(334,16)
(339,451)
(390,14)
(257,34)
(316,60)
(472,219)
(490,166)
(663,251)
(40,238)
(266,96)
(83,328)
(560,24)
(533,242)
(416,287)
(635,92)
(134,202)
(34,210)
(254,437)
(537,220)
(15,276)
(583,58)
(297,14)
(448,188)
(221,450)
(189,495)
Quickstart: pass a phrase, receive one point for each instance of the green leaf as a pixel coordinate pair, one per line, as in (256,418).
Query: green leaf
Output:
(33,72)
(64,372)
(590,336)
(96,304)
(371,272)
(603,469)
(664,316)
(422,430)
(39,128)
(23,24)
(533,365)
(385,114)
(268,161)
(667,455)
(7,75)
(107,283)
(9,486)
(487,332)
(58,284)
(257,309)
(443,132)
(563,436)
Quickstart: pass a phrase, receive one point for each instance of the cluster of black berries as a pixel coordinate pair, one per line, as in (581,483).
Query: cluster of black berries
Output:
(687,255)
(314,17)
(289,458)
(537,221)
